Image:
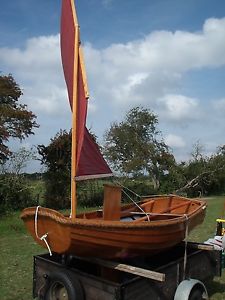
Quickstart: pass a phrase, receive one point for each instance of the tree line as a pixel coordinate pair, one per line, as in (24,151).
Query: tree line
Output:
(134,148)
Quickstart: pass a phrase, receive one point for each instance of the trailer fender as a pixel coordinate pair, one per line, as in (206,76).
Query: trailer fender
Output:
(63,285)
(191,289)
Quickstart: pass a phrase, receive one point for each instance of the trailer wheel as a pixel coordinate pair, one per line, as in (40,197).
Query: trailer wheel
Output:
(197,293)
(63,286)
(191,289)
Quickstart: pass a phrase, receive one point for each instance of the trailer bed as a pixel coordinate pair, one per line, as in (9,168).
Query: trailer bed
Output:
(100,281)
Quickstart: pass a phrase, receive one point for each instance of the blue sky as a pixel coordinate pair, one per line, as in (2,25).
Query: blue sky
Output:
(166,55)
(104,22)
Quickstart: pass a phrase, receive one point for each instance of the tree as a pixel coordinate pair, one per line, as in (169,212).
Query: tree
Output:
(15,190)
(217,176)
(15,120)
(135,147)
(197,152)
(204,174)
(57,158)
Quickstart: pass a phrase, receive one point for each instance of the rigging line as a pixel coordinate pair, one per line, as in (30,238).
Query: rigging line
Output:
(139,207)
(124,187)
(137,195)
(44,236)
(185,247)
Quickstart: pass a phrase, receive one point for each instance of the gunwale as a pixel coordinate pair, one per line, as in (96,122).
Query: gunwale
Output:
(60,218)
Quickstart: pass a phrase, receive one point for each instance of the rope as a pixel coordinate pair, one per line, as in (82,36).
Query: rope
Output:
(141,209)
(124,187)
(44,236)
(137,195)
(185,248)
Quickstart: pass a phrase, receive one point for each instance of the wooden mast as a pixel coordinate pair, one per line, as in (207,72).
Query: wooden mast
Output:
(74,113)
(78,57)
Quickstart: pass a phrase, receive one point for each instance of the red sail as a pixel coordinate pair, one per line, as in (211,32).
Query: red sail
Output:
(90,163)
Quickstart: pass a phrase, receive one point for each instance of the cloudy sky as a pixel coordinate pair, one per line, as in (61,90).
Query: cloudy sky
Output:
(165,55)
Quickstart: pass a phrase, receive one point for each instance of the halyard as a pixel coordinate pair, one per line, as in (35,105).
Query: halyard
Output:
(17,249)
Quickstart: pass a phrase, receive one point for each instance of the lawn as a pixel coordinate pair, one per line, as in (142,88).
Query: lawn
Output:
(17,249)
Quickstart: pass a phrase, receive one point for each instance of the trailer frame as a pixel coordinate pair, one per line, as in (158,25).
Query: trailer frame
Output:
(159,277)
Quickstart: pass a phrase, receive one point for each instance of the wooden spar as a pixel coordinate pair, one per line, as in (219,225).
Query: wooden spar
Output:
(78,57)
(83,71)
(193,245)
(74,115)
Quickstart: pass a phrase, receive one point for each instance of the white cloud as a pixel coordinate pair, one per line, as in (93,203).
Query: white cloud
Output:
(37,68)
(148,72)
(178,108)
(175,141)
(159,61)
(40,54)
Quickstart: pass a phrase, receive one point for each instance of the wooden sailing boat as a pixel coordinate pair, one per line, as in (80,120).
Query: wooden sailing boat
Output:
(149,226)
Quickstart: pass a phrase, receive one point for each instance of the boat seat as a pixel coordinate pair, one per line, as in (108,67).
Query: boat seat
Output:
(112,202)
(155,214)
(166,211)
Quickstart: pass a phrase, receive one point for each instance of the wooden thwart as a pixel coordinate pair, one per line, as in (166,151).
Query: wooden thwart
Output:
(167,210)
(128,268)
(154,214)
(143,205)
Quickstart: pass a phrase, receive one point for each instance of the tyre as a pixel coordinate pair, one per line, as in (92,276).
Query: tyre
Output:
(197,293)
(63,286)
(191,289)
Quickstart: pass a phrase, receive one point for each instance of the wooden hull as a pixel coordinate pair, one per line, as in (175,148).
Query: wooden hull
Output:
(169,219)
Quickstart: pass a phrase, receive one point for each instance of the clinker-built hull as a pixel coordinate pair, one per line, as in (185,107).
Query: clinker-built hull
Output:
(155,225)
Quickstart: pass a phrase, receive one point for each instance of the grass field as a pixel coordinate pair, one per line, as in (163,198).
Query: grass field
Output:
(17,249)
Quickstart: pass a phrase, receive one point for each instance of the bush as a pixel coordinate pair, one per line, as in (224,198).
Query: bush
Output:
(15,193)
(90,193)
(15,190)
(57,190)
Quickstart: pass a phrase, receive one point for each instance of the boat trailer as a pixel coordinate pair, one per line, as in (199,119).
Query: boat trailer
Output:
(166,276)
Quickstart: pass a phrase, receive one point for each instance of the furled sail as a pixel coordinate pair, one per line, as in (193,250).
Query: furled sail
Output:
(89,161)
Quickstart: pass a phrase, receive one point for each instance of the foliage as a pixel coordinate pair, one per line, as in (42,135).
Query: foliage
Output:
(15,191)
(15,120)
(216,181)
(90,192)
(57,158)
(173,179)
(204,175)
(134,146)
(135,189)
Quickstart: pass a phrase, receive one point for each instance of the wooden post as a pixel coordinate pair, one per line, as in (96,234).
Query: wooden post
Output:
(112,203)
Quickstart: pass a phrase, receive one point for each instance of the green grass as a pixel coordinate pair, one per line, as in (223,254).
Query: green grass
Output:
(207,230)
(17,249)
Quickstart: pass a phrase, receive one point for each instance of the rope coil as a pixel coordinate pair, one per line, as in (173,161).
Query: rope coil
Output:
(44,236)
